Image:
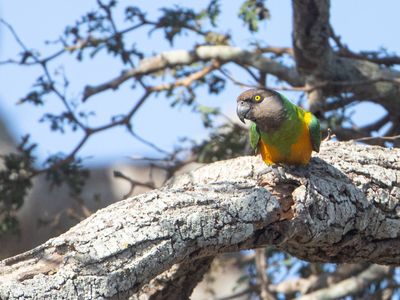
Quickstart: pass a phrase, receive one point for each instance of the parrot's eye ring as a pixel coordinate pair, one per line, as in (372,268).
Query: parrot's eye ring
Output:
(257,98)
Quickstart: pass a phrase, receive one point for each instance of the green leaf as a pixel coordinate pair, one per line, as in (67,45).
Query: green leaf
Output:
(253,11)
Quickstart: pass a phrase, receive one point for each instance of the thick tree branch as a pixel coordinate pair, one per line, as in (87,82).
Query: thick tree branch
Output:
(311,33)
(319,64)
(278,51)
(342,207)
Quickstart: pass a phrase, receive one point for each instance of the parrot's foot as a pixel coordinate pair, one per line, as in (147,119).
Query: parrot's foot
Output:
(279,170)
(272,167)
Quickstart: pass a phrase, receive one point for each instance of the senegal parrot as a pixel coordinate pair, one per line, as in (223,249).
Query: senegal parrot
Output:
(281,131)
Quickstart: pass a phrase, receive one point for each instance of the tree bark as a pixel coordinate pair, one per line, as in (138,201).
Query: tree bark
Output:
(342,207)
(311,36)
(176,283)
(318,63)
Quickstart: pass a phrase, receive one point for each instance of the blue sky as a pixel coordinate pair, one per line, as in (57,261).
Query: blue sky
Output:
(363,25)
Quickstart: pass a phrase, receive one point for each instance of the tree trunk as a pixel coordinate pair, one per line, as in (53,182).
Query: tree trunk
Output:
(342,207)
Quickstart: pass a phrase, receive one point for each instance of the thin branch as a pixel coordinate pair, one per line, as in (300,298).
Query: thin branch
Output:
(227,74)
(251,73)
(125,121)
(344,51)
(329,135)
(187,81)
(320,85)
(43,64)
(258,86)
(364,133)
(336,38)
(372,56)
(133,183)
(359,82)
(42,60)
(148,143)
(70,157)
(14,34)
(25,48)
(351,285)
(247,291)
(372,138)
(91,41)
(342,102)
(378,124)
(261,266)
(317,281)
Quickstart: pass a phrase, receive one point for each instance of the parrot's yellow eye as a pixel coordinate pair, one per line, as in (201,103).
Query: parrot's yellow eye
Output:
(257,98)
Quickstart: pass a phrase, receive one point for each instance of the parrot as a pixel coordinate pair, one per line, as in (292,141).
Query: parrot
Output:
(281,131)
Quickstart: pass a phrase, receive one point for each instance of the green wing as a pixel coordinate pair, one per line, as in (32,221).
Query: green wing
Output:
(315,133)
(254,136)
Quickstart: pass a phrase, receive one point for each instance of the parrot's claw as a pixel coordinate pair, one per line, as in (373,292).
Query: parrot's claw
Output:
(272,174)
(279,171)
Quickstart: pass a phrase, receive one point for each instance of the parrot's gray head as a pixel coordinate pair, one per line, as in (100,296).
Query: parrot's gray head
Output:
(262,106)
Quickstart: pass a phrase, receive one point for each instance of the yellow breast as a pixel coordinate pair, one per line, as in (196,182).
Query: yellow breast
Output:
(300,152)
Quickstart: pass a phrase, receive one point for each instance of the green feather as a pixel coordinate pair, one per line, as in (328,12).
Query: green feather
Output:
(254,136)
(315,133)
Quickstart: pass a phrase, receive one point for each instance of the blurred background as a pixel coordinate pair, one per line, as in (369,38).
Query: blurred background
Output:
(101,100)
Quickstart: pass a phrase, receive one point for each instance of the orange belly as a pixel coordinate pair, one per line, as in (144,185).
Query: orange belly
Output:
(299,154)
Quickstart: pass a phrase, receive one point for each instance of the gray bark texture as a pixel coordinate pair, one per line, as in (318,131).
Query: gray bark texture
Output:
(342,207)
(318,63)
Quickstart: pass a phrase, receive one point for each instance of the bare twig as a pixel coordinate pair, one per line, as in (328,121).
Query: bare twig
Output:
(43,64)
(350,286)
(148,143)
(258,86)
(14,34)
(125,121)
(133,183)
(329,136)
(241,293)
(387,61)
(364,133)
(261,266)
(237,82)
(42,60)
(336,38)
(384,138)
(344,51)
(310,88)
(187,81)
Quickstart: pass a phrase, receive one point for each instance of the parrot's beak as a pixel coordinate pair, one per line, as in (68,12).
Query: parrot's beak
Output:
(242,110)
